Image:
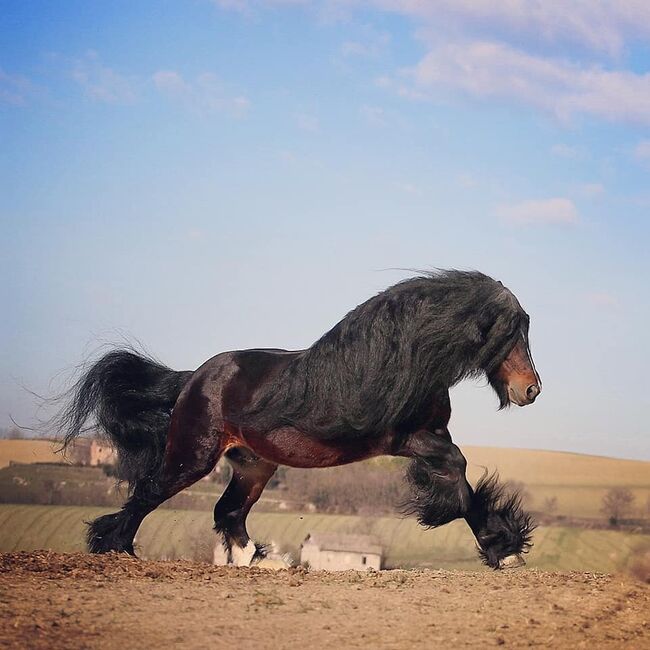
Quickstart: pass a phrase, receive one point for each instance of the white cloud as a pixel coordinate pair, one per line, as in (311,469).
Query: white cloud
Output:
(600,25)
(101,83)
(470,51)
(370,43)
(234,5)
(247,6)
(205,94)
(497,71)
(171,82)
(544,211)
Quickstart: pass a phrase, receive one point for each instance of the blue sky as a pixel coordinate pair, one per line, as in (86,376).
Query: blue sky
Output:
(203,176)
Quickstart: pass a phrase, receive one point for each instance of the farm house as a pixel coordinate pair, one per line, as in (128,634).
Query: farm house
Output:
(92,452)
(341,552)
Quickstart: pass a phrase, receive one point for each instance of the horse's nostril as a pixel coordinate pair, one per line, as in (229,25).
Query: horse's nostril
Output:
(532,391)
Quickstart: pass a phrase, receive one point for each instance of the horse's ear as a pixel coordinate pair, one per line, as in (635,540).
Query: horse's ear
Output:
(474,332)
(484,325)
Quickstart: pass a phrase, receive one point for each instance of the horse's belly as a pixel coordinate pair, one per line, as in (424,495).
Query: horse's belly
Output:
(288,446)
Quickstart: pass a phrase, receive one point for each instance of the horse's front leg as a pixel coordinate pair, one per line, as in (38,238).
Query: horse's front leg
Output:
(441,493)
(502,528)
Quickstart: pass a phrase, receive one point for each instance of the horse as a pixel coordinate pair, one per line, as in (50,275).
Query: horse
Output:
(377,383)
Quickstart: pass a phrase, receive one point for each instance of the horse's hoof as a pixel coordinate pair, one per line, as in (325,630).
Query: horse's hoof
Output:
(243,556)
(511,562)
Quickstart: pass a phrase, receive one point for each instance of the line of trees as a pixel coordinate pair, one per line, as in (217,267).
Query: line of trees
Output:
(617,505)
(12,433)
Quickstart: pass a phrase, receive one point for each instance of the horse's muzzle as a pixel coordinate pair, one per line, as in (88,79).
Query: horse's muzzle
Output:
(523,398)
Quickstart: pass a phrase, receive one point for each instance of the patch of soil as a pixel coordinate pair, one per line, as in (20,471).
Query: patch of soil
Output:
(51,600)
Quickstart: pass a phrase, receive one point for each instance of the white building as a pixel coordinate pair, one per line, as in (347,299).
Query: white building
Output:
(341,552)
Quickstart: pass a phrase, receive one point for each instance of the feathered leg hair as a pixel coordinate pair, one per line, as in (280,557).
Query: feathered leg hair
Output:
(500,524)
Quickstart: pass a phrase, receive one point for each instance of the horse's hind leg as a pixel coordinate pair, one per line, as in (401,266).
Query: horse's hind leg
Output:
(250,475)
(193,449)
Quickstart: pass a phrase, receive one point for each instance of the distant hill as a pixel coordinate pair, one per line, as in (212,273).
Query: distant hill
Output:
(28,451)
(577,481)
(558,467)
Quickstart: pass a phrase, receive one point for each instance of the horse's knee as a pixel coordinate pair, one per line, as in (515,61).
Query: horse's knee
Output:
(439,495)
(448,462)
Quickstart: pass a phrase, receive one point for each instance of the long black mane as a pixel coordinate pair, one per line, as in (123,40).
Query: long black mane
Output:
(380,366)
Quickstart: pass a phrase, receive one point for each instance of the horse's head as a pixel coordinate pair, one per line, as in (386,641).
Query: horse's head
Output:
(515,379)
(513,376)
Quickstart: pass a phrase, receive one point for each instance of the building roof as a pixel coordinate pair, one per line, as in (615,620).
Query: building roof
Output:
(344,542)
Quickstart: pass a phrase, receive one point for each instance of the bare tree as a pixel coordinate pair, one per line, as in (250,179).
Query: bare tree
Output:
(520,488)
(12,433)
(364,488)
(550,505)
(617,502)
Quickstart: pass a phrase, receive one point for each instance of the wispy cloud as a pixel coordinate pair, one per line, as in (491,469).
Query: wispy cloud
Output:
(233,5)
(509,51)
(102,83)
(598,25)
(248,6)
(374,115)
(543,211)
(603,26)
(15,90)
(205,94)
(565,151)
(370,43)
(489,70)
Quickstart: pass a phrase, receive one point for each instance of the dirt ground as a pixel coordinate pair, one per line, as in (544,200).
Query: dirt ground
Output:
(50,600)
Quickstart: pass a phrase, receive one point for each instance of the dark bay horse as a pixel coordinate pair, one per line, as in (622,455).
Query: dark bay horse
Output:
(377,383)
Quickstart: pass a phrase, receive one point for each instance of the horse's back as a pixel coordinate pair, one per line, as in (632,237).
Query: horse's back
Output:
(228,380)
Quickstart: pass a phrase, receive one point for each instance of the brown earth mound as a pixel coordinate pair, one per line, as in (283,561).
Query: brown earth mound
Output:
(50,600)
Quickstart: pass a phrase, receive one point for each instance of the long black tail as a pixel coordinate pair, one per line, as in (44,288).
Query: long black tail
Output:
(128,397)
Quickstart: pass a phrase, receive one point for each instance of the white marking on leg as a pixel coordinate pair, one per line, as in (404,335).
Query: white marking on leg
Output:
(220,553)
(243,556)
(512,562)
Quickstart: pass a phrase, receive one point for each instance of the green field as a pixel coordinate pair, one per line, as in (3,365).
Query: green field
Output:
(172,534)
